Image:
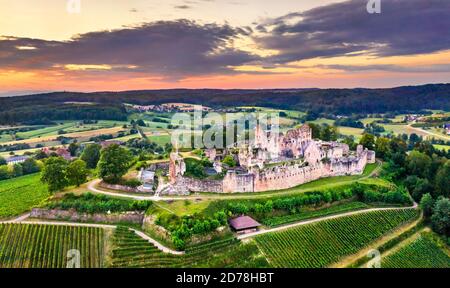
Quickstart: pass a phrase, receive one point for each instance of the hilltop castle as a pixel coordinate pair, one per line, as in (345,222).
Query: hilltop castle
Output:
(273,162)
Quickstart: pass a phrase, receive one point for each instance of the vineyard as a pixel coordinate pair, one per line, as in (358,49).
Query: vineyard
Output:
(132,251)
(323,243)
(48,246)
(20,194)
(423,252)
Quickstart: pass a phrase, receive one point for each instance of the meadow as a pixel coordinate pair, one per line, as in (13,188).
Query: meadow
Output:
(19,195)
(323,243)
(48,246)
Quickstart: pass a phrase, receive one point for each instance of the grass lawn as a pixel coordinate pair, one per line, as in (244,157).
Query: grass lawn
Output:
(349,131)
(160,139)
(19,195)
(181,208)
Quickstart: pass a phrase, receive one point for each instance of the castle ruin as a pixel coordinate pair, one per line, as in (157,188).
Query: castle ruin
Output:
(275,162)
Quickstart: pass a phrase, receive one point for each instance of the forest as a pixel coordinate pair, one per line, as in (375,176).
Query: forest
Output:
(108,105)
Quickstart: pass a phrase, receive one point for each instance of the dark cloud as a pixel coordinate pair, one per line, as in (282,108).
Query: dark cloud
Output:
(173,49)
(404,27)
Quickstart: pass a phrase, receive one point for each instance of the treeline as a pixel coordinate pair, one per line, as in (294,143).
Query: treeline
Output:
(44,114)
(337,101)
(29,166)
(422,169)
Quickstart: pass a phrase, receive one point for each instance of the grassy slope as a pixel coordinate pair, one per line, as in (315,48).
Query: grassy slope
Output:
(20,194)
(47,246)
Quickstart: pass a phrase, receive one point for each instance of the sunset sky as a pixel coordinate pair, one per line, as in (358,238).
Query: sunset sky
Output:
(137,44)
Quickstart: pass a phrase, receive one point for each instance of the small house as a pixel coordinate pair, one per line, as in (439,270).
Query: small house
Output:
(244,225)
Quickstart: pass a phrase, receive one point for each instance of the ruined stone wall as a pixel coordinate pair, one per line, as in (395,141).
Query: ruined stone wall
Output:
(74,216)
(287,177)
(238,183)
(198,185)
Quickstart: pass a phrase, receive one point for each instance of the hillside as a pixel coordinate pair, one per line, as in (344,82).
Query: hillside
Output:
(108,105)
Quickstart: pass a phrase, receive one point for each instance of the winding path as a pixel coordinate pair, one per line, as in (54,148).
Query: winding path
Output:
(306,222)
(93,187)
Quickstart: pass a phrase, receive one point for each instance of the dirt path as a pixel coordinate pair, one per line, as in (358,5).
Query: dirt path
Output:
(306,222)
(93,187)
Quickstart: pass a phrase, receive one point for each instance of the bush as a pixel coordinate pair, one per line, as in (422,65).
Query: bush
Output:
(132,183)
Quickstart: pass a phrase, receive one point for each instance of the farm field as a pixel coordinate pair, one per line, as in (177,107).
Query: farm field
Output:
(350,131)
(310,214)
(323,243)
(129,250)
(80,134)
(20,194)
(48,246)
(423,252)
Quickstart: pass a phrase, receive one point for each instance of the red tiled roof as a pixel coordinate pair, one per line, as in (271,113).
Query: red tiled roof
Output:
(243,222)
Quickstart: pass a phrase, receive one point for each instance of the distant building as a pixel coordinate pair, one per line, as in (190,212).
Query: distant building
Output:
(61,151)
(16,159)
(447,128)
(244,224)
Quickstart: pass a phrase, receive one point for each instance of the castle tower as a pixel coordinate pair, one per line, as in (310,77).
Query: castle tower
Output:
(177,167)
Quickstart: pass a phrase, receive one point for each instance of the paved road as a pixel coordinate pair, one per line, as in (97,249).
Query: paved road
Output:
(306,222)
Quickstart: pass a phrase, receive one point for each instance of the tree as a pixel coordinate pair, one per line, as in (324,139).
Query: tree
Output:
(441,216)
(315,130)
(328,133)
(443,180)
(73,148)
(30,166)
(114,163)
(368,141)
(4,172)
(3,161)
(91,155)
(418,164)
(427,204)
(382,147)
(17,170)
(229,160)
(54,173)
(77,172)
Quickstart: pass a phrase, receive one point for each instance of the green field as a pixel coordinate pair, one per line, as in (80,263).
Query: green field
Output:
(129,250)
(423,252)
(68,127)
(47,246)
(20,194)
(323,243)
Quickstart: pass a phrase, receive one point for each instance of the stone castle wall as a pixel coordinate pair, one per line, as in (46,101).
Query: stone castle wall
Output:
(198,185)
(279,177)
